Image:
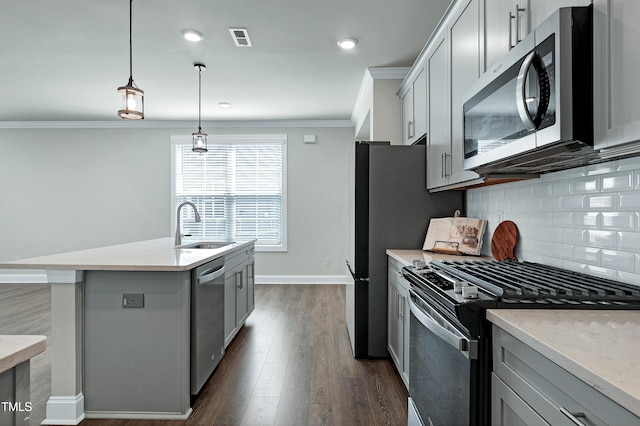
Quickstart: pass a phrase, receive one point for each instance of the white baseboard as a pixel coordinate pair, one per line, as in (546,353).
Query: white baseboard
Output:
(137,415)
(300,279)
(32,278)
(65,410)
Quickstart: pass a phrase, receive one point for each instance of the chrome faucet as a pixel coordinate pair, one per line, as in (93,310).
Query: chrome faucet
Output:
(178,232)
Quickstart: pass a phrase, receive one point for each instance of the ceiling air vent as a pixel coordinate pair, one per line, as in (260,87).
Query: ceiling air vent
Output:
(240,37)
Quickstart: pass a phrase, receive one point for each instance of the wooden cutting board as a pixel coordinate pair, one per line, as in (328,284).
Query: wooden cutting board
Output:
(503,242)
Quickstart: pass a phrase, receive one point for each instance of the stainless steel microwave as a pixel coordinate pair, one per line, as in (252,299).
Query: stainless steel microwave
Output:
(532,112)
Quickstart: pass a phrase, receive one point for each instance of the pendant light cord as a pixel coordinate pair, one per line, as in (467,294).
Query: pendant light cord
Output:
(130,43)
(199,96)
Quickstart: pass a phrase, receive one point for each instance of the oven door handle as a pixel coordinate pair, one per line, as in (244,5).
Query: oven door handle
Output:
(461,343)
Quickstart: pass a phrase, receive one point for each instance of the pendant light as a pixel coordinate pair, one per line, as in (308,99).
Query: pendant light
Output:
(133,97)
(199,138)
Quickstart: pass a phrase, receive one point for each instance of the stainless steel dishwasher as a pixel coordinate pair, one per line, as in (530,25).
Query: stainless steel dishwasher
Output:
(207,321)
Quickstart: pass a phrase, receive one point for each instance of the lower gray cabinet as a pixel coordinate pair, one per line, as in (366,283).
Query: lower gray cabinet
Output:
(238,290)
(398,320)
(530,389)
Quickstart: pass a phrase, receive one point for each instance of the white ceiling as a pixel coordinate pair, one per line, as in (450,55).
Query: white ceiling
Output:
(63,60)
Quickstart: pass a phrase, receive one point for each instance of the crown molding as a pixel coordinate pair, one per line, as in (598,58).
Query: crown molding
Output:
(164,124)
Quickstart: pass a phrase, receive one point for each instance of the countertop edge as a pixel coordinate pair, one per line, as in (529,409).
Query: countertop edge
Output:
(44,262)
(23,348)
(598,382)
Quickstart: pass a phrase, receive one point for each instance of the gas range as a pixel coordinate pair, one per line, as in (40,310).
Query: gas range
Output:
(450,353)
(463,290)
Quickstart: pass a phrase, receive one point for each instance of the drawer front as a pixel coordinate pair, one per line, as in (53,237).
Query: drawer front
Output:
(548,388)
(395,274)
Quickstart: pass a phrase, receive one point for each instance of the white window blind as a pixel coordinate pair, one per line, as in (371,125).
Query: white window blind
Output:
(239,187)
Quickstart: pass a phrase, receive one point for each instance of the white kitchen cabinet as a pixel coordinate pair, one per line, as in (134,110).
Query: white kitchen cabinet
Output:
(414,108)
(238,290)
(528,388)
(438,111)
(464,41)
(506,22)
(398,319)
(453,64)
(616,71)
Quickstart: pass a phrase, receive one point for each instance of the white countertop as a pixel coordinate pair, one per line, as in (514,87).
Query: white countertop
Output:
(599,347)
(17,349)
(151,255)
(407,256)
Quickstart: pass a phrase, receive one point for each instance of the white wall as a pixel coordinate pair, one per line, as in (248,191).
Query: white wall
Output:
(71,189)
(585,219)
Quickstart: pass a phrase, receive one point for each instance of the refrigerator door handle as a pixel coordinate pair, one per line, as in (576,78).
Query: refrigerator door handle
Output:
(353,275)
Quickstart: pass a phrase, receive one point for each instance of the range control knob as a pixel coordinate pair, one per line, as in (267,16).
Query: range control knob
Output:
(470,292)
(457,286)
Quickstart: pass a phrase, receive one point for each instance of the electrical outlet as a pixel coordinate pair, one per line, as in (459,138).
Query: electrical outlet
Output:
(133,300)
(327,261)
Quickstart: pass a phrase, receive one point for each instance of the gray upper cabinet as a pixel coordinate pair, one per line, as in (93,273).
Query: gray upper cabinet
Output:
(464,43)
(453,63)
(414,108)
(506,22)
(438,113)
(616,71)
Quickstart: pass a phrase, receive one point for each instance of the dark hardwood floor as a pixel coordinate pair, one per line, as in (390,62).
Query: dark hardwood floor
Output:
(291,364)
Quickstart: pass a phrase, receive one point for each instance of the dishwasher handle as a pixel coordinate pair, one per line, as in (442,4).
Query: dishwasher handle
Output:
(210,275)
(428,319)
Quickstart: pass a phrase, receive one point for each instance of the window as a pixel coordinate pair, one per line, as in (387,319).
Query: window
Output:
(239,187)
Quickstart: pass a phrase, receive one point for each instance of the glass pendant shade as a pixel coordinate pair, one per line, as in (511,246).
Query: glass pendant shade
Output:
(133,102)
(199,141)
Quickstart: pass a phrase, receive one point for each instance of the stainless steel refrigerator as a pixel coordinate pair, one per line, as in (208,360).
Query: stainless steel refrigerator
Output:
(389,208)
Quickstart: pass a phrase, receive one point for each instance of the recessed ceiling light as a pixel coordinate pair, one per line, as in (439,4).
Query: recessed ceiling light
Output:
(224,105)
(348,43)
(192,35)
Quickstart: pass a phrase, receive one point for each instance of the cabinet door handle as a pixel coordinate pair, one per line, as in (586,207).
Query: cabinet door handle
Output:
(511,18)
(442,166)
(573,416)
(401,306)
(518,11)
(410,129)
(239,274)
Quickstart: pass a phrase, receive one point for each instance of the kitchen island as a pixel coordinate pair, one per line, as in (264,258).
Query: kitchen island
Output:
(91,287)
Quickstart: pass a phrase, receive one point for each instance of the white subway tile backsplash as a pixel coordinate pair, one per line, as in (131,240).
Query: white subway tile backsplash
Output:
(600,169)
(618,182)
(574,236)
(552,204)
(561,219)
(627,164)
(618,221)
(602,239)
(602,202)
(587,255)
(563,251)
(574,202)
(586,185)
(629,241)
(561,187)
(618,260)
(630,201)
(584,219)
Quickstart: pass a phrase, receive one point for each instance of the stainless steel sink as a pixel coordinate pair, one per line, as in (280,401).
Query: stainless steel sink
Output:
(210,245)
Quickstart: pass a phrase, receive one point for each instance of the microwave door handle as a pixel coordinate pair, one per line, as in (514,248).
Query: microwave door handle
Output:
(521,98)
